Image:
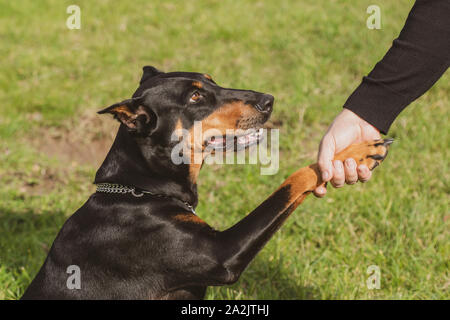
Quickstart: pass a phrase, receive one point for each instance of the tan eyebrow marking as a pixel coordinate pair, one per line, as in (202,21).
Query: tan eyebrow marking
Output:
(197,84)
(207,76)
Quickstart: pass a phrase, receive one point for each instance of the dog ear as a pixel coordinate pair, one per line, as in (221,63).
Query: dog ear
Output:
(149,72)
(133,114)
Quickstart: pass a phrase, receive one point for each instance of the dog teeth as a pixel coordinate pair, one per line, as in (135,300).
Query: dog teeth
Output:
(253,136)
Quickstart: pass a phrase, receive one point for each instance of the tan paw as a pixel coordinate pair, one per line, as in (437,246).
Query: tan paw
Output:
(369,153)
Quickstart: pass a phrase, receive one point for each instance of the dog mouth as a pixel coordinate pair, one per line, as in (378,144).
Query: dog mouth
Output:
(240,140)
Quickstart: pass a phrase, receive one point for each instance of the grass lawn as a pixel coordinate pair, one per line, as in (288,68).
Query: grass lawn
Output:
(309,54)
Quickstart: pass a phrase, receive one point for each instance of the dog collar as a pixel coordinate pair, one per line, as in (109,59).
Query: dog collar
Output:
(118,188)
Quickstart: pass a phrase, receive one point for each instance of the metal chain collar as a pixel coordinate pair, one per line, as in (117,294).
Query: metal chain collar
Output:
(118,188)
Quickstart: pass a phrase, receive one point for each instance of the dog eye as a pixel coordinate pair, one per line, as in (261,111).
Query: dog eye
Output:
(195,97)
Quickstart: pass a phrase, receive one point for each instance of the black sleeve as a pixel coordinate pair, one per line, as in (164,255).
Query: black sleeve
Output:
(416,60)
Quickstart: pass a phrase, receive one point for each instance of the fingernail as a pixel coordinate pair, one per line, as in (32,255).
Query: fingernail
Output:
(363,169)
(325,175)
(350,163)
(338,165)
(322,191)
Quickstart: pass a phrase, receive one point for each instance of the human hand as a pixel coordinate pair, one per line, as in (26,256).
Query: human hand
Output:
(346,129)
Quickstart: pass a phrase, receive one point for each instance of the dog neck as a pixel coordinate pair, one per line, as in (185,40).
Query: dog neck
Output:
(146,167)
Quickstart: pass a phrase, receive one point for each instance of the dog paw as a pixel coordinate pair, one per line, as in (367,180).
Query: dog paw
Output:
(369,153)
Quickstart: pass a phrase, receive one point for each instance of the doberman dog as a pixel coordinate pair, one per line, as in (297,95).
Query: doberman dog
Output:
(138,236)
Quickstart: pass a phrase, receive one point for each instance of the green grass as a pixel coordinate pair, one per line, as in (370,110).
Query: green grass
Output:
(309,54)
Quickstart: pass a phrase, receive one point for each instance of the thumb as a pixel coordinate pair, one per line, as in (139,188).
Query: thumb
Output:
(326,155)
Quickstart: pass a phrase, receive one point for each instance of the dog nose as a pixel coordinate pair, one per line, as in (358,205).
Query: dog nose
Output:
(265,104)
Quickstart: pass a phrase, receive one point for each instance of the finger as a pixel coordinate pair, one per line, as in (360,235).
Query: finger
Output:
(338,175)
(351,176)
(320,191)
(325,157)
(364,173)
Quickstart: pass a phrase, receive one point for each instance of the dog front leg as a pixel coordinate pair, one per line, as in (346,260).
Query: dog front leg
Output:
(238,245)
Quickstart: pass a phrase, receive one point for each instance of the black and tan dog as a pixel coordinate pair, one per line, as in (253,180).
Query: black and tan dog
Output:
(138,237)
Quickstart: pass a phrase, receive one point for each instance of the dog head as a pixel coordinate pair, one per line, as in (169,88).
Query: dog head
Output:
(166,102)
(168,105)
